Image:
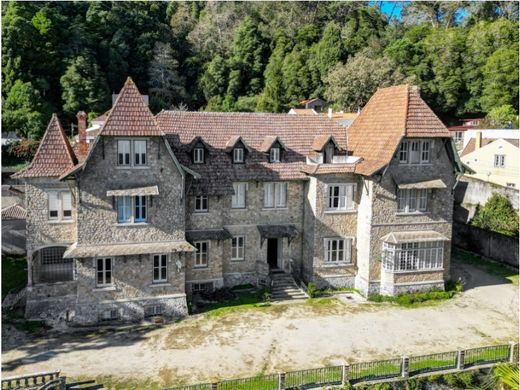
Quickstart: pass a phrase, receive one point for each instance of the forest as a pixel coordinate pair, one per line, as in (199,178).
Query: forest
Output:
(64,57)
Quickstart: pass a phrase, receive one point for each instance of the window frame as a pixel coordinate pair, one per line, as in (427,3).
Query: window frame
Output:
(238,152)
(276,194)
(349,188)
(499,161)
(132,160)
(197,255)
(346,250)
(275,154)
(234,198)
(201,199)
(413,256)
(132,208)
(160,267)
(236,247)
(199,155)
(413,152)
(405,195)
(104,270)
(60,210)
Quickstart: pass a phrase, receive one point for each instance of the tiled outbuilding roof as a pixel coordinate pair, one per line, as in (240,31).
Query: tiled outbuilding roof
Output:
(54,155)
(216,129)
(14,212)
(390,114)
(130,116)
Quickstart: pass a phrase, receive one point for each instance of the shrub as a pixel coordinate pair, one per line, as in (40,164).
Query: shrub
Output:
(312,290)
(497,215)
(24,149)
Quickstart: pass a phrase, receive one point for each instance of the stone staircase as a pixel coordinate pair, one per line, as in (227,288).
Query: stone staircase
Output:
(283,287)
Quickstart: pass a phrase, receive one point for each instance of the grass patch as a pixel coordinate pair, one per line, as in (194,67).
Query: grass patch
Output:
(268,382)
(243,301)
(488,265)
(419,298)
(425,365)
(20,323)
(14,274)
(114,383)
(381,370)
(486,355)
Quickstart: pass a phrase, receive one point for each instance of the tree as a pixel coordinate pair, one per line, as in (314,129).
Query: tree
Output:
(84,87)
(214,80)
(166,85)
(272,97)
(436,13)
(349,86)
(24,111)
(497,215)
(503,117)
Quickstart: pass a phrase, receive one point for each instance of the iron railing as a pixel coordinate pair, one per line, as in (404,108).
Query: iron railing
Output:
(369,371)
(261,382)
(313,377)
(432,363)
(486,355)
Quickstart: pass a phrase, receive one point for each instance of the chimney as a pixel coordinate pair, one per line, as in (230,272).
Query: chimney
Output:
(478,139)
(330,113)
(82,127)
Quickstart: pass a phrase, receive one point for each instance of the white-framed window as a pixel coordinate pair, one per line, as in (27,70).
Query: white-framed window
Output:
(413,256)
(198,155)
(338,250)
(275,195)
(340,197)
(500,161)
(415,151)
(123,152)
(201,254)
(238,199)
(104,270)
(140,152)
(153,310)
(201,203)
(238,155)
(131,209)
(60,205)
(127,148)
(274,155)
(160,268)
(412,200)
(201,287)
(238,248)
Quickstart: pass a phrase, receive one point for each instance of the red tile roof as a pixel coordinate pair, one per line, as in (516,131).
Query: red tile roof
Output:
(130,116)
(390,114)
(297,133)
(54,155)
(14,212)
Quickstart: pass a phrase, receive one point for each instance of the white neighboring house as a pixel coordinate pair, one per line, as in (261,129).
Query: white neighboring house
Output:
(494,156)
(9,138)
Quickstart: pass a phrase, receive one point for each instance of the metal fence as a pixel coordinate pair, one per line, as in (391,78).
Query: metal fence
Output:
(378,371)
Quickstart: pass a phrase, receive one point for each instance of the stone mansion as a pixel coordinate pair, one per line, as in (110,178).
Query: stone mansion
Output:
(156,208)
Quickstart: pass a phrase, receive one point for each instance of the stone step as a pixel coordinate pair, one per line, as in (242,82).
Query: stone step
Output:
(294,294)
(285,288)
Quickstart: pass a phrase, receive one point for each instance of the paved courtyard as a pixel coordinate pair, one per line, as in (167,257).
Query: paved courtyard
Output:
(280,337)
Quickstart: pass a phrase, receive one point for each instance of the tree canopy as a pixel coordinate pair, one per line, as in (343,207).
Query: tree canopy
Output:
(254,56)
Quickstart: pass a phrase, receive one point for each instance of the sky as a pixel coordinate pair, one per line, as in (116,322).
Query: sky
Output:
(393,9)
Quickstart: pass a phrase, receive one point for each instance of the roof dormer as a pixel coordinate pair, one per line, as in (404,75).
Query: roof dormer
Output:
(327,146)
(198,150)
(274,148)
(237,148)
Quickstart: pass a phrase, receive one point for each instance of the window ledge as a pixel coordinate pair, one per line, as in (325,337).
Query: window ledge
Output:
(239,209)
(132,224)
(274,208)
(237,260)
(338,264)
(414,213)
(160,284)
(412,271)
(197,212)
(340,211)
(58,222)
(132,167)
(102,288)
(200,267)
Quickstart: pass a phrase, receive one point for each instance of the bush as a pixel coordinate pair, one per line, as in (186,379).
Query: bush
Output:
(451,289)
(497,215)
(20,151)
(312,290)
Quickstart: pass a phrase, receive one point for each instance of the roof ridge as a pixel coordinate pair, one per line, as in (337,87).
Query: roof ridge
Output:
(407,109)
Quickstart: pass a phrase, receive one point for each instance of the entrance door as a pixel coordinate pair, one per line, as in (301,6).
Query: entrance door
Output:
(272,252)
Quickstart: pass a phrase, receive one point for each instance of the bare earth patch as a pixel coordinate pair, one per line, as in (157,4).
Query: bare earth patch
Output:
(246,342)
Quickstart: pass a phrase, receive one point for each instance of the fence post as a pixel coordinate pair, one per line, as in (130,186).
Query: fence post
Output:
(281,381)
(512,350)
(214,386)
(345,368)
(405,366)
(460,359)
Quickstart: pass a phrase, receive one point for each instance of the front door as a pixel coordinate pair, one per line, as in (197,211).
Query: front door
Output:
(272,252)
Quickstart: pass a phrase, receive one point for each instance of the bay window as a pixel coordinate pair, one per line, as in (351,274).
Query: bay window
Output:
(413,256)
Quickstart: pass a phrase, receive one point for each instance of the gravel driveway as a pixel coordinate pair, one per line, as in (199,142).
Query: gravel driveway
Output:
(281,337)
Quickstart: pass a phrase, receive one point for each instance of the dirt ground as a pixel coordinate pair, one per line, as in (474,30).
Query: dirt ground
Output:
(279,337)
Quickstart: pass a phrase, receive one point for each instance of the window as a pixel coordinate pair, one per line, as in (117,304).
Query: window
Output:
(340,197)
(126,148)
(329,153)
(275,195)
(238,155)
(201,254)
(60,205)
(123,152)
(201,203)
(104,271)
(415,151)
(131,209)
(338,250)
(109,315)
(500,160)
(238,199)
(201,287)
(237,248)
(140,152)
(412,200)
(198,155)
(153,310)
(413,256)
(160,268)
(274,155)
(50,266)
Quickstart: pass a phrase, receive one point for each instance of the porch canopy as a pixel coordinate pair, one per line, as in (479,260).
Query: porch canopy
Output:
(80,251)
(406,183)
(142,191)
(210,234)
(277,231)
(417,236)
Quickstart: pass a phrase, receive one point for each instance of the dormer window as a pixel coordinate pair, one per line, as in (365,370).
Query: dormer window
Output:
(198,155)
(274,155)
(238,155)
(329,153)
